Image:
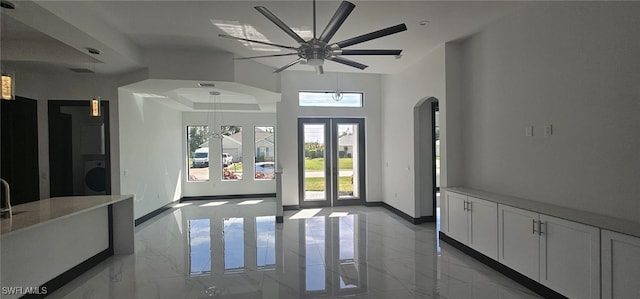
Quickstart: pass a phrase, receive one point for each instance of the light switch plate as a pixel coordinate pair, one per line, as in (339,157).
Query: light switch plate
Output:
(528,131)
(548,130)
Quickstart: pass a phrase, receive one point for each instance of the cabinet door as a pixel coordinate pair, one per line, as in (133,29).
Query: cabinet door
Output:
(483,234)
(570,257)
(457,217)
(620,265)
(518,243)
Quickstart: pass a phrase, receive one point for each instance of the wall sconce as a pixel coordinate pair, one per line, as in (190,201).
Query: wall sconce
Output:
(95,107)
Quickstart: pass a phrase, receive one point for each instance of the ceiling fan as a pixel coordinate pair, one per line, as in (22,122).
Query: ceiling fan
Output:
(318,49)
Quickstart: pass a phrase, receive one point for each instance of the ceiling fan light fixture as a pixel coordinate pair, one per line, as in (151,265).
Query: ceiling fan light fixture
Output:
(315,61)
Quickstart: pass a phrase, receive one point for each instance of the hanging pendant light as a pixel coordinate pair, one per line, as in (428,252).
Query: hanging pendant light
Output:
(337,95)
(8,86)
(95,107)
(216,133)
(94,103)
(8,78)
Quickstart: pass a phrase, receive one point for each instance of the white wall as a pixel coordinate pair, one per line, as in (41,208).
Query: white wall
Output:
(189,65)
(150,152)
(289,112)
(401,93)
(573,65)
(215,185)
(44,84)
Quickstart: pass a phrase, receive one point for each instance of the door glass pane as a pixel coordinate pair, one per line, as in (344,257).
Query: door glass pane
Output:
(198,148)
(347,154)
(200,247)
(231,159)
(233,237)
(314,162)
(265,153)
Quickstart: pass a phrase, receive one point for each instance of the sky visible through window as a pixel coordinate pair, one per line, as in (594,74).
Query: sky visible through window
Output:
(325,99)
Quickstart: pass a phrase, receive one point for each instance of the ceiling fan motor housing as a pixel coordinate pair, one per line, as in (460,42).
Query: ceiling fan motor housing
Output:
(314,52)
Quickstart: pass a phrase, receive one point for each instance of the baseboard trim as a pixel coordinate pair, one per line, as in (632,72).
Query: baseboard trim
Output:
(230,196)
(71,274)
(420,220)
(153,213)
(291,208)
(512,274)
(373,204)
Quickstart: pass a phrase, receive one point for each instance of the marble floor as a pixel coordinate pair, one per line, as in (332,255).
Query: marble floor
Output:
(234,249)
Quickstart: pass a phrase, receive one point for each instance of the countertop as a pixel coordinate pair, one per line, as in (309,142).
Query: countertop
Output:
(36,213)
(597,220)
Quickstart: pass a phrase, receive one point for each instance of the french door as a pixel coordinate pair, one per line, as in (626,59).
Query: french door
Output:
(331,163)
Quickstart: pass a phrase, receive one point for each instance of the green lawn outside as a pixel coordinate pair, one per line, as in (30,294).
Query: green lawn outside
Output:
(318,163)
(317,184)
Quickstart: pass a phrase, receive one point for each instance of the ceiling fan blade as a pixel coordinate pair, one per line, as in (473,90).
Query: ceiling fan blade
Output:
(319,70)
(288,65)
(263,10)
(257,41)
(373,35)
(336,21)
(348,62)
(370,52)
(314,19)
(265,56)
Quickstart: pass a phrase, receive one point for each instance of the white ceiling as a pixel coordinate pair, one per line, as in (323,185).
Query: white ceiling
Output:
(122,30)
(58,33)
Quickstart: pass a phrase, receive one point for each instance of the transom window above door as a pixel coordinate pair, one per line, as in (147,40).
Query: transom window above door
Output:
(330,99)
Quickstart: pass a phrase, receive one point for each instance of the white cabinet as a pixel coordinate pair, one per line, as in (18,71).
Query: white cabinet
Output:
(473,222)
(483,226)
(560,254)
(620,265)
(518,240)
(570,257)
(458,223)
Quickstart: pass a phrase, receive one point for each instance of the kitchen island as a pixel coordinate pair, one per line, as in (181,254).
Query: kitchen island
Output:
(51,241)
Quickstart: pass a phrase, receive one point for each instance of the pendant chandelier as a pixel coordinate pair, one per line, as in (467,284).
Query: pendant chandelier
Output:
(337,94)
(216,132)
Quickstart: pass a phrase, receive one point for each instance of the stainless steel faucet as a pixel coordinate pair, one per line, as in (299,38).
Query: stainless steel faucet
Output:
(6,211)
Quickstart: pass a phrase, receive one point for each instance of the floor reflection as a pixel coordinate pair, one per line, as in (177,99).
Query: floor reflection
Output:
(199,247)
(333,247)
(229,250)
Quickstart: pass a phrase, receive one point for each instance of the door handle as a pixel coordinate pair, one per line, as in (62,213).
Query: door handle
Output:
(540,223)
(533,226)
(469,206)
(464,205)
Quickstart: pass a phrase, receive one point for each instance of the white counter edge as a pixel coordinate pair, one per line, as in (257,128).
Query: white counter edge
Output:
(113,199)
